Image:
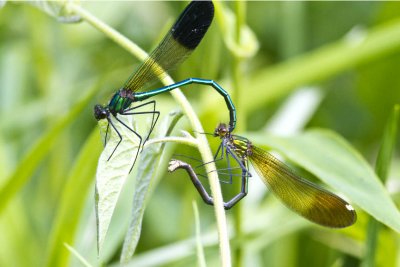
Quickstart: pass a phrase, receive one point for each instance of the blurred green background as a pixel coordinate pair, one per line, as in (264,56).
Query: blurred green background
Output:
(280,84)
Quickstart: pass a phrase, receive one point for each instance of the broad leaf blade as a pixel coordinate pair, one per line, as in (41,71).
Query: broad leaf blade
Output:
(335,162)
(111,174)
(148,167)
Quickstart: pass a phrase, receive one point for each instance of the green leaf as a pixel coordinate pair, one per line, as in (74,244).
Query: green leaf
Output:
(148,167)
(72,201)
(24,170)
(269,224)
(382,169)
(388,144)
(112,173)
(335,162)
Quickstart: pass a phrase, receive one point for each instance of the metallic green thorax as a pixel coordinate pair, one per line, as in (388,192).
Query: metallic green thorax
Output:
(120,101)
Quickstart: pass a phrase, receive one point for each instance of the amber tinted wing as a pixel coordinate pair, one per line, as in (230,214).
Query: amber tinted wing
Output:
(305,198)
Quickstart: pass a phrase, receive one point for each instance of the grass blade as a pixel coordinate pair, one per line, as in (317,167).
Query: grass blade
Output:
(73,201)
(381,169)
(79,256)
(201,259)
(39,150)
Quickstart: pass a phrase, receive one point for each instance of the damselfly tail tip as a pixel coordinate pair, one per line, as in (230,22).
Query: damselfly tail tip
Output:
(173,165)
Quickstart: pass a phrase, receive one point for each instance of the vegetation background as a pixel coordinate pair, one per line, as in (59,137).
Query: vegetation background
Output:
(298,67)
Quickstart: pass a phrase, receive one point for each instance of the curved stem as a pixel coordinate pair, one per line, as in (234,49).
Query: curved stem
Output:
(174,139)
(203,146)
(240,12)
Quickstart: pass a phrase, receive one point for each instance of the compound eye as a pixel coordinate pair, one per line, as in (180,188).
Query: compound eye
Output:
(223,130)
(99,112)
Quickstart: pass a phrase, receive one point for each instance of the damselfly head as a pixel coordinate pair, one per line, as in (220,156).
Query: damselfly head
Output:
(100,112)
(221,130)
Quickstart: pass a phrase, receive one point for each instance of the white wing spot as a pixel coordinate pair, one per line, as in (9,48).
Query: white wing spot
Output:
(349,207)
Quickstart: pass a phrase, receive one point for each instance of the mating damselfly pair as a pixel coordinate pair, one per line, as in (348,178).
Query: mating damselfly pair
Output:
(302,196)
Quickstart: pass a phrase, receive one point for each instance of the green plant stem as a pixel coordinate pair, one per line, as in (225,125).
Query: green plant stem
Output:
(203,146)
(81,259)
(200,251)
(181,140)
(294,27)
(240,11)
(382,169)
